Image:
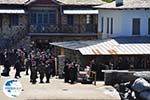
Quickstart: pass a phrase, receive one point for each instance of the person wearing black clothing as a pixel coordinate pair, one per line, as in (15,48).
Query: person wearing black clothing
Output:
(48,71)
(2,58)
(7,66)
(42,69)
(33,69)
(76,71)
(52,63)
(66,73)
(72,73)
(28,65)
(93,66)
(18,66)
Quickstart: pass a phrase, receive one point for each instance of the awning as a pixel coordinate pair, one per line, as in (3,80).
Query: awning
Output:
(74,45)
(12,11)
(121,49)
(116,46)
(119,46)
(80,11)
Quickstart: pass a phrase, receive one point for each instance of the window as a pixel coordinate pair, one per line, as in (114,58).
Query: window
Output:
(149,26)
(102,24)
(43,17)
(52,17)
(136,26)
(88,19)
(33,18)
(40,18)
(70,19)
(107,25)
(111,22)
(14,20)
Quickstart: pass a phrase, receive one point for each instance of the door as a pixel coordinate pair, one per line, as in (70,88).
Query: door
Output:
(136,26)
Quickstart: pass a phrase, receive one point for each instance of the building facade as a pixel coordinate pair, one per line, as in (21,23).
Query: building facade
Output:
(131,18)
(49,20)
(54,21)
(13,22)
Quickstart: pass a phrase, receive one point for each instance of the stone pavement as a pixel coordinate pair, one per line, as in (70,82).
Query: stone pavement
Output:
(58,90)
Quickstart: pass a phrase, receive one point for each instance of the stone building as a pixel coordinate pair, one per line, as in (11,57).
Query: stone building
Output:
(62,20)
(13,21)
(48,20)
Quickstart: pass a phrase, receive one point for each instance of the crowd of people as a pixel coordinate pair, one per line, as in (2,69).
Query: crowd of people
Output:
(38,64)
(42,62)
(71,70)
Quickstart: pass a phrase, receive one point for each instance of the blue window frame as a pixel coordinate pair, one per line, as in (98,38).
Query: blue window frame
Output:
(14,20)
(39,18)
(52,17)
(33,18)
(43,17)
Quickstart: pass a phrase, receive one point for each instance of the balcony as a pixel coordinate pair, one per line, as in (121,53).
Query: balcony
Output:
(65,28)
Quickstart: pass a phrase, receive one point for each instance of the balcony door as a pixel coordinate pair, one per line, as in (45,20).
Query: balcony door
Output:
(136,26)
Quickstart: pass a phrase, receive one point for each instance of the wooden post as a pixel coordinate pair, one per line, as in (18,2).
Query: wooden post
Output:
(95,79)
(62,51)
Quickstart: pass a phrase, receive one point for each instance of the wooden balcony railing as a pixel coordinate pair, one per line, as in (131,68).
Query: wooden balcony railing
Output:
(65,28)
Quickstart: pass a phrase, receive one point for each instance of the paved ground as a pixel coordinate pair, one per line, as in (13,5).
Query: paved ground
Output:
(57,89)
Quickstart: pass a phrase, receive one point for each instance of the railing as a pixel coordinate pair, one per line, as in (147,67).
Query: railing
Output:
(64,28)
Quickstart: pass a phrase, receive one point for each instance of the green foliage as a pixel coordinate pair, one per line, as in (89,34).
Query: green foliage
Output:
(108,1)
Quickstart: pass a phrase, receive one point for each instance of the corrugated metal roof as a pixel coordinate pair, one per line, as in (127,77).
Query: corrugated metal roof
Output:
(119,46)
(74,45)
(80,11)
(127,4)
(81,2)
(122,49)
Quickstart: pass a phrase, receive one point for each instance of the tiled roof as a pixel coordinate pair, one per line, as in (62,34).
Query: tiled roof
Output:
(127,4)
(65,2)
(20,2)
(81,2)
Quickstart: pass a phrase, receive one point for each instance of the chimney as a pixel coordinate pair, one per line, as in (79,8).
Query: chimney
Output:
(119,3)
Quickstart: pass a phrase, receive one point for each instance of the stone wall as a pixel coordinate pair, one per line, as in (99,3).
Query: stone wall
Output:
(10,30)
(13,33)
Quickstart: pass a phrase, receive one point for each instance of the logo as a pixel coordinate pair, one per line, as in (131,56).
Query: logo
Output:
(12,88)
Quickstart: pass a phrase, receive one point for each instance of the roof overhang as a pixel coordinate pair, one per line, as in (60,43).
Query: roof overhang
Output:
(120,49)
(77,12)
(74,45)
(12,11)
(116,46)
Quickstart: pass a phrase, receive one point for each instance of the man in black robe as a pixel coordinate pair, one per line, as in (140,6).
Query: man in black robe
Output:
(7,66)
(18,66)
(48,70)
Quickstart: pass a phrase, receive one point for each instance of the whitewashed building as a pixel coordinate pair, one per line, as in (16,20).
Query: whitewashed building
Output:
(124,18)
